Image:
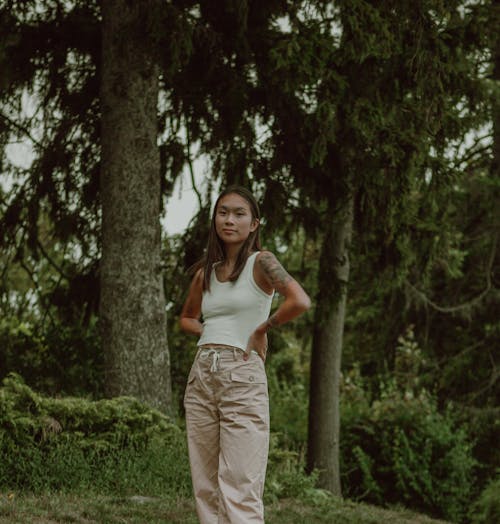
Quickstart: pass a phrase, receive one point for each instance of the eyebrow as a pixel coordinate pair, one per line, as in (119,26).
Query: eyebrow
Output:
(226,208)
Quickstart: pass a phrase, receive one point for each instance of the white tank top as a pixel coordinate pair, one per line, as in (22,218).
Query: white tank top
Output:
(232,310)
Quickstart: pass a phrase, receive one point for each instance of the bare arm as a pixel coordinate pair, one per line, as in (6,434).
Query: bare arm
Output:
(189,320)
(275,276)
(270,275)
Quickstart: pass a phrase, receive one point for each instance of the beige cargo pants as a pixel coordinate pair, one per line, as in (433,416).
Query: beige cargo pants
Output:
(227,420)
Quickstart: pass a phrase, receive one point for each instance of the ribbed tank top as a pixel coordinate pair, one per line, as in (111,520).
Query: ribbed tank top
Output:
(232,310)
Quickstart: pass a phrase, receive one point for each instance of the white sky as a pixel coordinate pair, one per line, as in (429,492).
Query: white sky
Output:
(181,206)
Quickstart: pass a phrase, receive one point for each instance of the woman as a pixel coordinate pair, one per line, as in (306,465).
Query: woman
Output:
(226,399)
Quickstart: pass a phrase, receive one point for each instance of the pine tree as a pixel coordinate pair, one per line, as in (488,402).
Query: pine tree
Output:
(361,96)
(51,56)
(132,304)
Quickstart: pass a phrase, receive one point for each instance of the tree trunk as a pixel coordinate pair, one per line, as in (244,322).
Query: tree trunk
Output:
(324,407)
(132,302)
(495,53)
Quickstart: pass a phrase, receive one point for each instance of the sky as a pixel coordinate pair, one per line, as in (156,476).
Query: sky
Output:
(181,206)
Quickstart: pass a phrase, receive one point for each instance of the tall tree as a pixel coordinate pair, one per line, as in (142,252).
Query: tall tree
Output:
(51,56)
(132,305)
(326,358)
(361,94)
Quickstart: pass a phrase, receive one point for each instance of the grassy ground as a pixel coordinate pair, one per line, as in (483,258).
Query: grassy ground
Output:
(64,508)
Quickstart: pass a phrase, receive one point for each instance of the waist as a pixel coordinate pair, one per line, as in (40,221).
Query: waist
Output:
(217,346)
(215,353)
(223,348)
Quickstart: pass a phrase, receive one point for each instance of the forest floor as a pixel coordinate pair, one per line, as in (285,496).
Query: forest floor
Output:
(66,508)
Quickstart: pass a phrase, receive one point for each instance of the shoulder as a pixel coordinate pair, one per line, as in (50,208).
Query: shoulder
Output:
(265,256)
(270,268)
(265,260)
(197,280)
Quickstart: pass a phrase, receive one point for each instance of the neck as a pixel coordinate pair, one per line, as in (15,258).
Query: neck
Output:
(232,252)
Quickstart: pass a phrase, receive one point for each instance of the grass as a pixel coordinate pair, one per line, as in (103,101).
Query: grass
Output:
(94,508)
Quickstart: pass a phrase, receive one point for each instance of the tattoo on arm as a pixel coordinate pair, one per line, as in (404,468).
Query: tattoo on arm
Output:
(274,271)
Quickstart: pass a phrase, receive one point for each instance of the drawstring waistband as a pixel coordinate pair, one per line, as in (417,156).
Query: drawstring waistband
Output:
(215,354)
(207,353)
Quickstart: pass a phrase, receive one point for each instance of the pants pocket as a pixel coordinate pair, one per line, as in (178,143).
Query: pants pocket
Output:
(248,376)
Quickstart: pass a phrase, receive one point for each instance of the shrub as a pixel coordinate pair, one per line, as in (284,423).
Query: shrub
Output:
(73,443)
(288,409)
(286,476)
(487,508)
(58,359)
(483,427)
(115,447)
(400,449)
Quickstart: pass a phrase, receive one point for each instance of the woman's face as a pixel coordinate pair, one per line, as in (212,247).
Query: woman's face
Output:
(233,219)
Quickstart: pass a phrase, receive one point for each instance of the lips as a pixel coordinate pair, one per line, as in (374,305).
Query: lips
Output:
(228,231)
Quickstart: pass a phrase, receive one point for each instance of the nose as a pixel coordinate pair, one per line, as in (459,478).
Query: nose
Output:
(229,218)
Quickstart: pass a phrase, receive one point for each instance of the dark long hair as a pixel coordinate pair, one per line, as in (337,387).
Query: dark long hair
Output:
(216,252)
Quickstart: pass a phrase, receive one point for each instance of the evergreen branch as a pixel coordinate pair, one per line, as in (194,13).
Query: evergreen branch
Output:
(5,267)
(11,249)
(30,273)
(472,154)
(21,128)
(32,277)
(495,375)
(447,359)
(467,305)
(471,149)
(191,170)
(61,275)
(50,260)
(47,308)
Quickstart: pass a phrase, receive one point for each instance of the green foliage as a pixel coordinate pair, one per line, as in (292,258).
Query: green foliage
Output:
(55,359)
(400,449)
(288,408)
(393,92)
(73,444)
(487,508)
(483,427)
(396,448)
(286,476)
(115,447)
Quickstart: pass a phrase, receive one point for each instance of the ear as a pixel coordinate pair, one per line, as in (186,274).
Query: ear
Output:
(254,225)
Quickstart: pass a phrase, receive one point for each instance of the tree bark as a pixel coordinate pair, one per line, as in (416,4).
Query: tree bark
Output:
(326,355)
(132,301)
(495,53)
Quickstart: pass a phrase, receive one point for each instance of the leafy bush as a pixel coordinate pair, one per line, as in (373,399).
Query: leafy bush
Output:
(288,403)
(116,446)
(487,508)
(483,427)
(400,449)
(286,477)
(73,443)
(395,449)
(58,359)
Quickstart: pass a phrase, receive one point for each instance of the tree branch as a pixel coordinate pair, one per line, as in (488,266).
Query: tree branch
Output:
(21,128)
(191,170)
(467,305)
(50,260)
(495,375)
(472,154)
